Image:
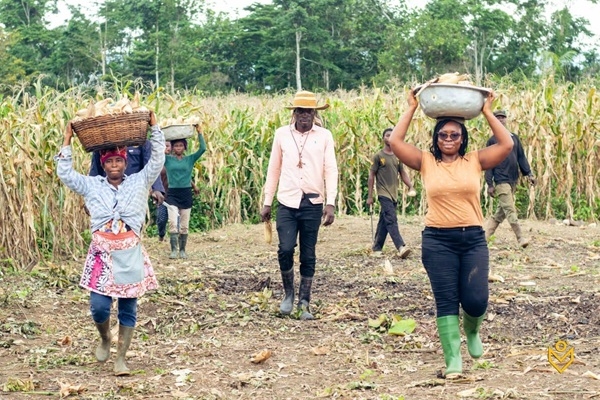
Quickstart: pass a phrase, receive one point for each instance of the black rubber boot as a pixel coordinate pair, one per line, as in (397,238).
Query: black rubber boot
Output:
(304,298)
(287,277)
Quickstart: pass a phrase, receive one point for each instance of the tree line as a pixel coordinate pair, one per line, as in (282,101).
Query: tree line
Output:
(316,44)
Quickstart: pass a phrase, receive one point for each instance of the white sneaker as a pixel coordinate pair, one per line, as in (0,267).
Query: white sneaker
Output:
(403,252)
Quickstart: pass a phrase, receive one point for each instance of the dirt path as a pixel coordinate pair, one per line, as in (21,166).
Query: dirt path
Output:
(197,334)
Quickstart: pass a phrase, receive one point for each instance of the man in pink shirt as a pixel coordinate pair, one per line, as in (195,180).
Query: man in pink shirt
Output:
(303,171)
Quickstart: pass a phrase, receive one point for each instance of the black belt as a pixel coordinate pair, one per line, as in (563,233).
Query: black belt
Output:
(458,229)
(309,195)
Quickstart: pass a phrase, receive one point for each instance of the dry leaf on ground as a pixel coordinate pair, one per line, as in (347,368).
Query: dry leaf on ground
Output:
(261,357)
(320,351)
(66,341)
(66,389)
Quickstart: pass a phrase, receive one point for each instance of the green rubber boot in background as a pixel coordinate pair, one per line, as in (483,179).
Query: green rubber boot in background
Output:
(182,243)
(174,245)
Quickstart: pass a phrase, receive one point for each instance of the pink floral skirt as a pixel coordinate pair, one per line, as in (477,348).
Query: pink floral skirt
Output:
(98,272)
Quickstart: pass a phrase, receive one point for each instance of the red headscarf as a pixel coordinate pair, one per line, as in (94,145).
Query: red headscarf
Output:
(114,152)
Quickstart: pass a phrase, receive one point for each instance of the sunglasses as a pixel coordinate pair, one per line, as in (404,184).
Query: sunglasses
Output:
(454,136)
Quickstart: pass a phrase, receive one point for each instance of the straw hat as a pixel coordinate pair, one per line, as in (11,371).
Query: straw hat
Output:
(306,99)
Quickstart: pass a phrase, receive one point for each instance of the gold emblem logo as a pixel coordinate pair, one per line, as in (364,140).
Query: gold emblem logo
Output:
(561,356)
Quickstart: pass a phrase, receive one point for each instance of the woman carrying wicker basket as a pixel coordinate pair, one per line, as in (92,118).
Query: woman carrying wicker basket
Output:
(180,194)
(117,266)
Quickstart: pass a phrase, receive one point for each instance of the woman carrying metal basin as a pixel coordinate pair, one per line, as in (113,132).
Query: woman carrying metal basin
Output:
(454,250)
(179,168)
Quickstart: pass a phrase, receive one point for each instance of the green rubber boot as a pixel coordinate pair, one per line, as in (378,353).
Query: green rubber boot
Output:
(471,326)
(182,243)
(174,237)
(449,331)
(103,349)
(125,335)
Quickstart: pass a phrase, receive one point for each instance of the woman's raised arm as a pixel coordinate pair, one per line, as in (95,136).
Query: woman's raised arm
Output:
(408,154)
(493,155)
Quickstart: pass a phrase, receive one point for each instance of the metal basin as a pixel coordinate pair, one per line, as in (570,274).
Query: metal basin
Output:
(174,132)
(452,100)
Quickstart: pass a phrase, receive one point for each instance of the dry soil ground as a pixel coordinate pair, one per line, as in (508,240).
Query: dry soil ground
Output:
(196,336)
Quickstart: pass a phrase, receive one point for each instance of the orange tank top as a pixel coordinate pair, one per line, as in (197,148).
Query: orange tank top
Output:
(453,191)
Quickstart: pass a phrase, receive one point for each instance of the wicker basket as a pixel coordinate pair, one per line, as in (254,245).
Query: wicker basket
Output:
(106,131)
(173,132)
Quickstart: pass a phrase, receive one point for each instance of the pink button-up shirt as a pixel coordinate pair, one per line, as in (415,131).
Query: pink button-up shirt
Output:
(319,167)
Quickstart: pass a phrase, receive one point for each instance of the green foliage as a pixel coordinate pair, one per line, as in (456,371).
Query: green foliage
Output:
(183,44)
(394,325)
(25,328)
(239,132)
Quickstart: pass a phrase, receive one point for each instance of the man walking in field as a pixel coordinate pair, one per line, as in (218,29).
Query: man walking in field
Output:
(303,170)
(502,182)
(385,169)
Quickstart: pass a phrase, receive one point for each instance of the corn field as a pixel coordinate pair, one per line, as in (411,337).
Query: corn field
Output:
(42,220)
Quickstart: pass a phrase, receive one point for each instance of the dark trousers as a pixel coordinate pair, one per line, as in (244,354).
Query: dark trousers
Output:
(100,309)
(161,220)
(302,223)
(388,223)
(457,263)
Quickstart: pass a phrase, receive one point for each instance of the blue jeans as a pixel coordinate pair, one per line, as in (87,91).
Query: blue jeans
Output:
(100,308)
(388,223)
(161,220)
(457,263)
(302,223)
